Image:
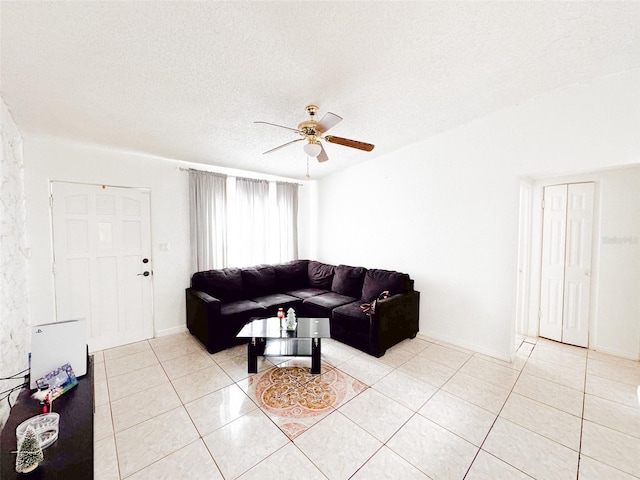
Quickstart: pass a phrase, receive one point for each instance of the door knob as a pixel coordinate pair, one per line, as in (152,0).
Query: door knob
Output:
(146,274)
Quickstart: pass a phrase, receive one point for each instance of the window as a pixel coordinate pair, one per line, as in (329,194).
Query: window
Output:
(241,222)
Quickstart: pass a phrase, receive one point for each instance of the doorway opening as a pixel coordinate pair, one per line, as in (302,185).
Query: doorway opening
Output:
(554,259)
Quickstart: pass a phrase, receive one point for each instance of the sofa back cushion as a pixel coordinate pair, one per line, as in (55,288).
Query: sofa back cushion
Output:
(320,275)
(224,284)
(292,275)
(376,281)
(259,280)
(348,280)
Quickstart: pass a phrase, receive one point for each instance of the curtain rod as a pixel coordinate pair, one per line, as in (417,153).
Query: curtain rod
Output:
(184,169)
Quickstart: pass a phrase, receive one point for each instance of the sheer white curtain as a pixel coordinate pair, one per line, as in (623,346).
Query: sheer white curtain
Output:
(249,226)
(208,220)
(287,210)
(241,221)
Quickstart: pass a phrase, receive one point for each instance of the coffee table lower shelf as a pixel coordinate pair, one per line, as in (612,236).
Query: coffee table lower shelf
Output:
(284,347)
(268,339)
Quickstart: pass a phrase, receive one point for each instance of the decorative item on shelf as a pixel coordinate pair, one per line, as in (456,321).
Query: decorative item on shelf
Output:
(45,425)
(291,319)
(281,317)
(43,395)
(29,452)
(57,382)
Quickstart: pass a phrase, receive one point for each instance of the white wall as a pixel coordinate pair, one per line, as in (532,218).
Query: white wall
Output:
(445,210)
(14,304)
(617,321)
(48,159)
(308,220)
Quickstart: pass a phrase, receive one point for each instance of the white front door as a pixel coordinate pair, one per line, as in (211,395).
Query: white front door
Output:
(566,263)
(102,249)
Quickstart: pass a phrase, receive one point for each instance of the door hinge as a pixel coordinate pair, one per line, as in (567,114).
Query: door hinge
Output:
(543,204)
(50,201)
(539,314)
(53,268)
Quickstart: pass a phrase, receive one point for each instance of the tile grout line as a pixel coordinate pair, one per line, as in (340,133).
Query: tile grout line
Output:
(183,405)
(584,399)
(494,422)
(113,428)
(394,368)
(414,412)
(335,410)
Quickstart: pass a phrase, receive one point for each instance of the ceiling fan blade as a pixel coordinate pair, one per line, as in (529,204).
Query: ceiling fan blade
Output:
(329,120)
(349,143)
(322,156)
(281,126)
(283,145)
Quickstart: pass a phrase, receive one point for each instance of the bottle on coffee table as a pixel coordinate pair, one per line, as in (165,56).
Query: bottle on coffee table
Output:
(281,317)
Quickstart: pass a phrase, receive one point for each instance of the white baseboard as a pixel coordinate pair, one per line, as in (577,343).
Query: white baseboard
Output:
(171,331)
(616,353)
(430,336)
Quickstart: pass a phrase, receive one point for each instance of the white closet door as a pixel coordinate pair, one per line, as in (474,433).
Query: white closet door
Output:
(553,255)
(566,263)
(577,274)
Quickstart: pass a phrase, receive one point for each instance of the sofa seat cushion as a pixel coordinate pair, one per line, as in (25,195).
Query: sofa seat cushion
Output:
(377,281)
(277,300)
(241,307)
(322,305)
(307,292)
(352,327)
(348,280)
(352,310)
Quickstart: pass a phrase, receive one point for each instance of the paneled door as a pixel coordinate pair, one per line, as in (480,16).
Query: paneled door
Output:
(102,261)
(566,263)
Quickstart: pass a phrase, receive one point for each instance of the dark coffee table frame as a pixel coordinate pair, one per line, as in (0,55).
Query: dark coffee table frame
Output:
(267,339)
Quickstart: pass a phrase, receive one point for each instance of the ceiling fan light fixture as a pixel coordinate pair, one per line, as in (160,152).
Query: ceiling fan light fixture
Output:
(312,131)
(312,149)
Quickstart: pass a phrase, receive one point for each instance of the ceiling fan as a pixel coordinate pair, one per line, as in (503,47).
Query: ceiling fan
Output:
(313,131)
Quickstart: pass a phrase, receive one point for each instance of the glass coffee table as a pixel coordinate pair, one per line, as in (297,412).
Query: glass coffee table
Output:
(269,340)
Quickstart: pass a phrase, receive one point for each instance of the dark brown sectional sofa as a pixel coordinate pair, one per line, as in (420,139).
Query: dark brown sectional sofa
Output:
(221,302)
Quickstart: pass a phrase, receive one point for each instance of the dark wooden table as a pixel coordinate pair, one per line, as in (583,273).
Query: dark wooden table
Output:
(71,455)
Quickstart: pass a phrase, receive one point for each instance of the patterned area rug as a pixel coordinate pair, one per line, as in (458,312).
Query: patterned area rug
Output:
(295,399)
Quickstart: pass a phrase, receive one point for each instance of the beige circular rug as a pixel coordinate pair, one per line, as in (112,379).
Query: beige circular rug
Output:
(292,396)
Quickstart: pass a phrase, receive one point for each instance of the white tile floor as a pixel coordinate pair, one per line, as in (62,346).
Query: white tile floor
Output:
(165,408)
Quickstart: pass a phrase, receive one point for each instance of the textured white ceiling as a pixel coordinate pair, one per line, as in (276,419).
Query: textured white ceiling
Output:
(186,80)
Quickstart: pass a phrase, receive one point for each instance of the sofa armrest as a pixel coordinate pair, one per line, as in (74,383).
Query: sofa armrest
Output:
(201,300)
(197,295)
(202,312)
(396,318)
